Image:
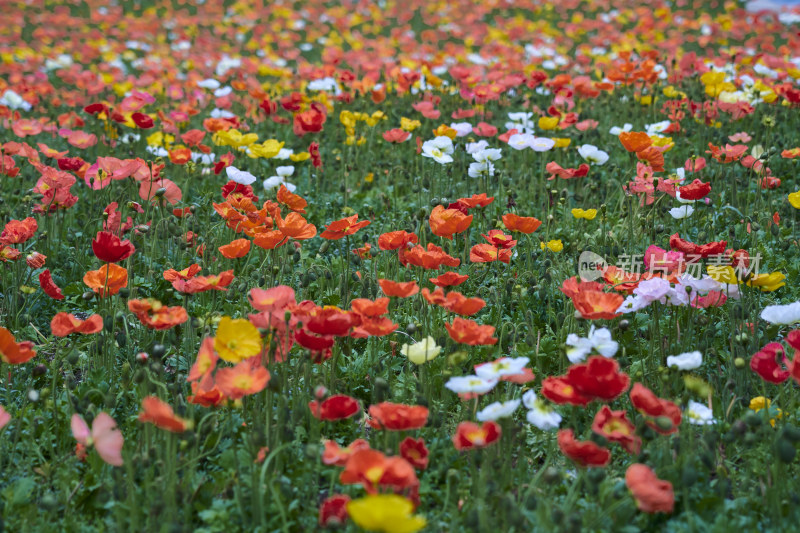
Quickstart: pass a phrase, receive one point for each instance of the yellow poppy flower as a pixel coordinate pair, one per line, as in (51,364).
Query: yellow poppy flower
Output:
(794,199)
(388,513)
(554,245)
(767,282)
(237,340)
(548,123)
(588,214)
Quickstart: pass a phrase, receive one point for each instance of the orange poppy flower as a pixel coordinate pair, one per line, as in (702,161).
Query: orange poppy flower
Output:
(216,282)
(436,297)
(400,289)
(449,279)
(466,331)
(374,326)
(343,227)
(335,455)
(653,156)
(18,231)
(476,200)
(206,393)
(293,201)
(206,360)
(652,495)
(635,141)
(269,240)
(583,453)
(372,469)
(486,253)
(395,240)
(155,315)
(187,273)
(107,280)
(295,226)
(13,352)
(397,416)
(447,222)
(235,249)
(460,304)
(593,305)
(525,225)
(161,415)
(243,379)
(64,324)
(431,259)
(470,435)
(370,308)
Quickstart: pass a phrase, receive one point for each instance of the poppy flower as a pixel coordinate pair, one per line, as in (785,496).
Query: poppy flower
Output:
(597,305)
(447,222)
(109,248)
(599,378)
(107,280)
(337,407)
(162,416)
(449,279)
(18,231)
(313,342)
(333,511)
(387,513)
(396,135)
(476,200)
(372,469)
(559,390)
(652,495)
(273,300)
(206,393)
(215,282)
(499,239)
(235,249)
(104,436)
(49,286)
(431,258)
(615,427)
(470,435)
(415,452)
(269,240)
(187,273)
(142,121)
(331,321)
(333,454)
(635,141)
(525,225)
(295,226)
(155,315)
(310,121)
(466,331)
(343,227)
(397,416)
(690,248)
(695,190)
(728,153)
(5,417)
(64,324)
(653,407)
(583,453)
(241,380)
(237,340)
(400,289)
(293,201)
(566,173)
(35,260)
(395,240)
(13,352)
(486,253)
(205,362)
(765,363)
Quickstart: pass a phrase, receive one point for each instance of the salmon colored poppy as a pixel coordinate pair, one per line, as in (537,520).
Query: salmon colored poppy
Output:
(449,279)
(653,407)
(155,315)
(214,282)
(466,331)
(337,407)
(206,393)
(35,260)
(583,453)
(476,200)
(235,249)
(274,300)
(448,222)
(13,352)
(652,495)
(107,280)
(498,239)
(525,225)
(397,416)
(341,228)
(49,286)
(242,380)
(104,436)
(64,324)
(372,470)
(559,390)
(432,258)
(635,141)
(185,274)
(109,248)
(370,308)
(470,435)
(162,416)
(205,362)
(337,456)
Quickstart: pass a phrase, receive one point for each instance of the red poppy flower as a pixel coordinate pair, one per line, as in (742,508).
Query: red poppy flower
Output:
(652,495)
(651,406)
(566,173)
(586,453)
(599,378)
(470,435)
(695,190)
(615,427)
(64,324)
(415,452)
(310,121)
(109,248)
(142,120)
(765,363)
(395,240)
(397,416)
(559,390)
(331,321)
(343,227)
(49,286)
(187,273)
(336,407)
(337,456)
(333,511)
(312,342)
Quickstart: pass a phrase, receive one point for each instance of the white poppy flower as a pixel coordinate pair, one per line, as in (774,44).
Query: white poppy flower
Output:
(497,410)
(239,176)
(685,361)
(698,414)
(681,212)
(592,154)
(470,384)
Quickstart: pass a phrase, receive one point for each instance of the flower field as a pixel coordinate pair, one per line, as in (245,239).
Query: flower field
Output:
(399,266)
